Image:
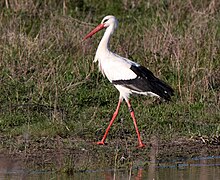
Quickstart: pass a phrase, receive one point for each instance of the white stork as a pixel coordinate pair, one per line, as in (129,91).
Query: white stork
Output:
(127,76)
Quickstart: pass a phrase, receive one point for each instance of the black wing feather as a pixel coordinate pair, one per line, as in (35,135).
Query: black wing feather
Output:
(146,82)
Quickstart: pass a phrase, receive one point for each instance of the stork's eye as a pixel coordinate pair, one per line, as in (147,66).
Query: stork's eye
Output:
(105,20)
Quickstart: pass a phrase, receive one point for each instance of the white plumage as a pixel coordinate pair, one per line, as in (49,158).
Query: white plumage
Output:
(127,76)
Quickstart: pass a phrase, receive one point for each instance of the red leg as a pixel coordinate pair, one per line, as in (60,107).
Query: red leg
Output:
(102,142)
(135,125)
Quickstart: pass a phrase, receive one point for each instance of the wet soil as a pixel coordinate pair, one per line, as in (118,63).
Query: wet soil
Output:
(71,154)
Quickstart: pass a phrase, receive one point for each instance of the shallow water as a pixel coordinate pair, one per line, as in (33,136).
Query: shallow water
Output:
(204,168)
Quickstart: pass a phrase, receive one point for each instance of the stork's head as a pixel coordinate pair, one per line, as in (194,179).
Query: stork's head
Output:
(110,21)
(107,21)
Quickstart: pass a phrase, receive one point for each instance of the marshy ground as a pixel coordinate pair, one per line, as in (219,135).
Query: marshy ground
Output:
(54,104)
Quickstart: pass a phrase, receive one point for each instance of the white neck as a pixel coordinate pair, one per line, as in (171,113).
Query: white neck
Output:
(104,43)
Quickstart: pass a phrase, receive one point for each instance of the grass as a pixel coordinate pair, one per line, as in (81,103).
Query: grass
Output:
(50,86)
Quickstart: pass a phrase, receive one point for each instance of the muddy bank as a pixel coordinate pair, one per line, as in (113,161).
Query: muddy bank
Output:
(71,154)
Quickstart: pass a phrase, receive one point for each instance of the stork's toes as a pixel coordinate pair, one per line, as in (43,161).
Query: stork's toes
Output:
(141,145)
(100,143)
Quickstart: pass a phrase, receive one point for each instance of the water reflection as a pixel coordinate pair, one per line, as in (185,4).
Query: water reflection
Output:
(204,168)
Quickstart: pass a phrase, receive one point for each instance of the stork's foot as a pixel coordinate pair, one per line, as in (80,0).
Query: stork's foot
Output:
(141,145)
(100,143)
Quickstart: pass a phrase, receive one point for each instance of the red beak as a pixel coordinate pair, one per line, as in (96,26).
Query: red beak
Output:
(97,29)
